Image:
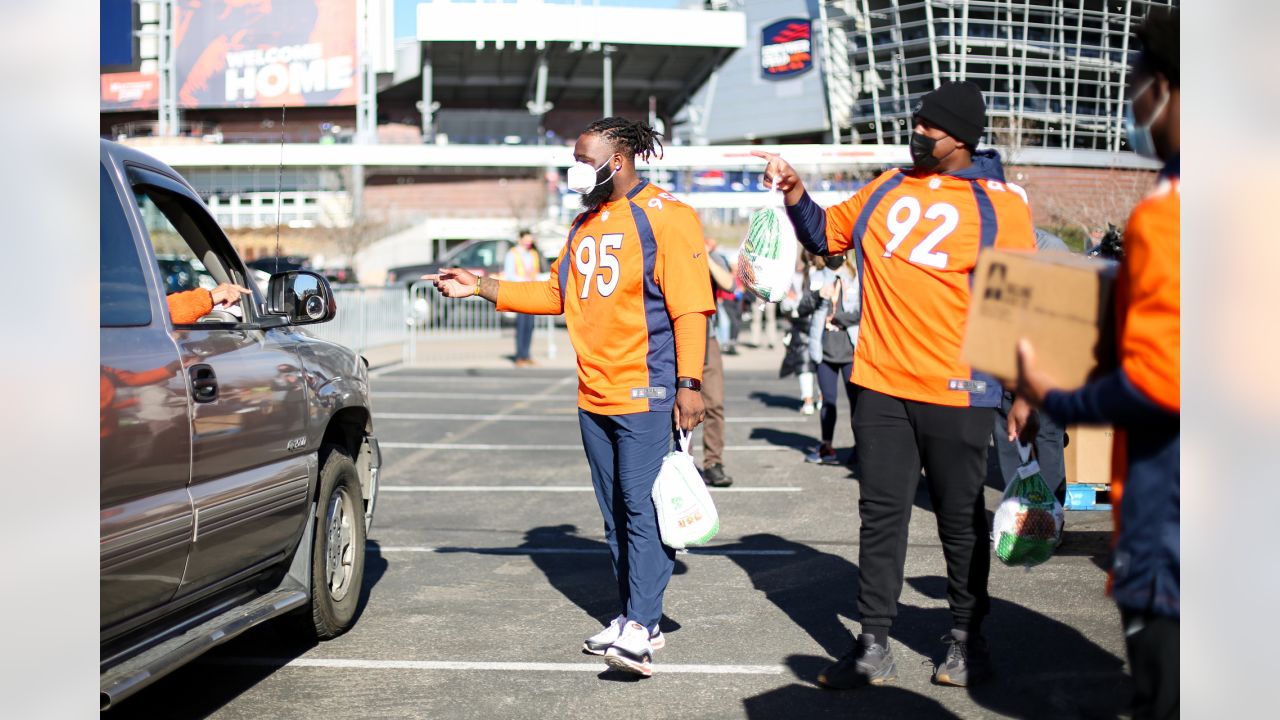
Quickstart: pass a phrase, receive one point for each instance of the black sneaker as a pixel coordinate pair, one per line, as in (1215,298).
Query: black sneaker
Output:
(868,663)
(714,476)
(968,660)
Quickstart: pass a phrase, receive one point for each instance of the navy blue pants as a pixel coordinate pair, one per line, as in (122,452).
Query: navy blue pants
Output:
(625,453)
(524,335)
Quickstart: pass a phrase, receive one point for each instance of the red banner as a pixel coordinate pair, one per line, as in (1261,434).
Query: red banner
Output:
(130,91)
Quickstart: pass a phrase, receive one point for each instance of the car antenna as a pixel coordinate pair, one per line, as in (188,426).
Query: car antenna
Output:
(279,182)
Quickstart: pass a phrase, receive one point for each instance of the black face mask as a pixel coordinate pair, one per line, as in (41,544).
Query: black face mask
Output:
(835,261)
(922,151)
(603,190)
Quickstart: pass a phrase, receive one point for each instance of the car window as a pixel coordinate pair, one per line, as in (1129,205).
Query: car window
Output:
(479,255)
(186,255)
(122,295)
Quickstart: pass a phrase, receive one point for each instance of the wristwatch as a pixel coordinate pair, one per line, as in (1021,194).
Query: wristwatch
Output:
(690,383)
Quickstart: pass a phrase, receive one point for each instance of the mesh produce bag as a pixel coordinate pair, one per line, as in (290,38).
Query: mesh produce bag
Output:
(767,256)
(686,515)
(1028,523)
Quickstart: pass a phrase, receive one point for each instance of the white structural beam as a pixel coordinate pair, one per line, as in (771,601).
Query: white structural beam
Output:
(536,21)
(702,157)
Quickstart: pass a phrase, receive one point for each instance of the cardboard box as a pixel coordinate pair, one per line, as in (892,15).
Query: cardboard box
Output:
(1088,454)
(1061,302)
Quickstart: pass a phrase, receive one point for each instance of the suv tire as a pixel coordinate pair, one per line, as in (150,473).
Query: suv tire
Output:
(337,547)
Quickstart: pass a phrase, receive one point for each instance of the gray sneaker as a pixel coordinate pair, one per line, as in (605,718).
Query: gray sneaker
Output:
(868,663)
(968,661)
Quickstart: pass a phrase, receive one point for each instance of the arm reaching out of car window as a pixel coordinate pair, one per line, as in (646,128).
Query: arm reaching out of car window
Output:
(188,307)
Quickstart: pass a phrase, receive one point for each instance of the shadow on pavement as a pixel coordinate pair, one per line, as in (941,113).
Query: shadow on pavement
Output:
(202,687)
(1043,667)
(585,578)
(800,442)
(774,400)
(815,589)
(802,700)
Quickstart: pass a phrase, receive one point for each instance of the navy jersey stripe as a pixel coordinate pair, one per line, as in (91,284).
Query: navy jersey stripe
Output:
(661,358)
(987,238)
(860,227)
(568,256)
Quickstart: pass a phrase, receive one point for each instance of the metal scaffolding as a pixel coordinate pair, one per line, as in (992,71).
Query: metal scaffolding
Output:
(1053,72)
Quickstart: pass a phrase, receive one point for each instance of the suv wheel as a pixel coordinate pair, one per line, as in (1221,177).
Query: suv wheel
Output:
(337,549)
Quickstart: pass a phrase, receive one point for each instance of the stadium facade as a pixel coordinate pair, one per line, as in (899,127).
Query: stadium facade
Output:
(462,129)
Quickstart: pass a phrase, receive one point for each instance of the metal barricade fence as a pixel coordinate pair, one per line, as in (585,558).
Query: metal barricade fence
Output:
(397,323)
(431,316)
(368,317)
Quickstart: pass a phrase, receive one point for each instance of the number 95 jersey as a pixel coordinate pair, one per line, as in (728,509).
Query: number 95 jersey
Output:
(629,268)
(920,240)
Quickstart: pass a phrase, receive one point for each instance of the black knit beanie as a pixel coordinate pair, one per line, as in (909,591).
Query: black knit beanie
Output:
(956,107)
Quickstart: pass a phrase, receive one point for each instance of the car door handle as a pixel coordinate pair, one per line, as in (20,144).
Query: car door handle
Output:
(204,383)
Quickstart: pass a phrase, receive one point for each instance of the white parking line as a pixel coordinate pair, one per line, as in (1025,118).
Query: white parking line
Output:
(726,552)
(554,488)
(586,666)
(564,417)
(473,378)
(568,398)
(531,448)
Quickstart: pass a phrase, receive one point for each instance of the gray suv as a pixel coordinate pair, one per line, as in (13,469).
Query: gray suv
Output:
(239,465)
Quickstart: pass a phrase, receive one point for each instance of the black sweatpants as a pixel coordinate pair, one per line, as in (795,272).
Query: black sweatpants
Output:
(1152,642)
(895,438)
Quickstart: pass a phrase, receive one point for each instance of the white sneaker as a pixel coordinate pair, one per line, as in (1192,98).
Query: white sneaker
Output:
(807,409)
(632,652)
(597,644)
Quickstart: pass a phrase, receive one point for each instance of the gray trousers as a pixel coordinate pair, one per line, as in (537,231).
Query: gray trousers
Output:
(1048,445)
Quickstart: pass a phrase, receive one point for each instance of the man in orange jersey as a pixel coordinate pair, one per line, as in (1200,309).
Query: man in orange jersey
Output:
(1142,397)
(916,234)
(635,290)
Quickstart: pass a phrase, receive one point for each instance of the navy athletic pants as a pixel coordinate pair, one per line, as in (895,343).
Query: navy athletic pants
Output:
(625,453)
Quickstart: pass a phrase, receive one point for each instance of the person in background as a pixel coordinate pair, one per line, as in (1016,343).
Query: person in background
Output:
(797,359)
(726,302)
(713,388)
(1049,441)
(523,264)
(917,233)
(1141,398)
(765,313)
(833,332)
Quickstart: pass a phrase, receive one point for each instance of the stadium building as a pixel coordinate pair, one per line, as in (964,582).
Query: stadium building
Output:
(313,112)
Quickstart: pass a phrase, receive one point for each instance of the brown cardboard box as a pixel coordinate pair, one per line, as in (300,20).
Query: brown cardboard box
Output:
(1088,454)
(1059,301)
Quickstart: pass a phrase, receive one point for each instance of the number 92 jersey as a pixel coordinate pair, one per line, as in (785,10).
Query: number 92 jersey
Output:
(629,268)
(920,238)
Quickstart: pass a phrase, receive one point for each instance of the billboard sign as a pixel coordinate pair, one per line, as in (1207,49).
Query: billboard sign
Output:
(129,91)
(786,48)
(265,53)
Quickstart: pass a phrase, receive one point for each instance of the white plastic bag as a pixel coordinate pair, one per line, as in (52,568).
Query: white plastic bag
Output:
(767,256)
(686,515)
(1028,524)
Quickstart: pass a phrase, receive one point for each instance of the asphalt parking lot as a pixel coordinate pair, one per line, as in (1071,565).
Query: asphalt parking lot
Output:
(487,567)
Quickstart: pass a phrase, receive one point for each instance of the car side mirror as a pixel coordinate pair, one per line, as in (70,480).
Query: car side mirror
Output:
(301,296)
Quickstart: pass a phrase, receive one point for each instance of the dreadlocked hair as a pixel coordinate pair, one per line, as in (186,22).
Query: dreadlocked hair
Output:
(1159,37)
(636,137)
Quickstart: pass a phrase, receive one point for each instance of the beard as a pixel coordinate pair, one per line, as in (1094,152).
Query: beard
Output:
(599,194)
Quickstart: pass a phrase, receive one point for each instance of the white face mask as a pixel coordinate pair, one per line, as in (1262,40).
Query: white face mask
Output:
(582,177)
(1140,135)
